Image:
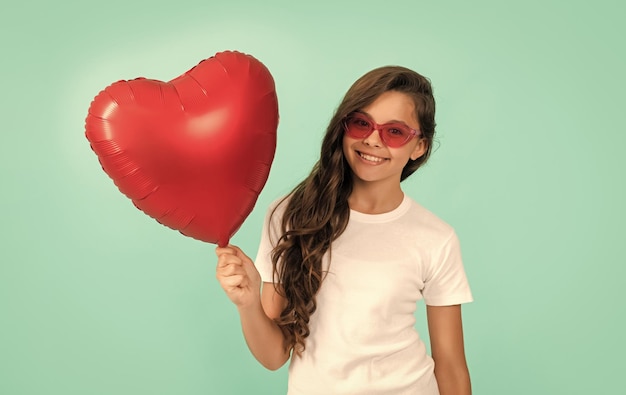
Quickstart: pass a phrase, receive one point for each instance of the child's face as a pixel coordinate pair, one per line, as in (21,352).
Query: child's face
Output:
(369,158)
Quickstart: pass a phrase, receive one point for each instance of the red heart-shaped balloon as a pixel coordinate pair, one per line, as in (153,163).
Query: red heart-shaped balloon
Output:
(194,152)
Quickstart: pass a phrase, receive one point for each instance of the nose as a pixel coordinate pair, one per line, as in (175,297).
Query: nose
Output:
(373,139)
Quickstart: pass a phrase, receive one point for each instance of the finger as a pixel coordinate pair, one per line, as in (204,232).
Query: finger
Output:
(236,250)
(235,281)
(242,255)
(225,250)
(228,259)
(230,270)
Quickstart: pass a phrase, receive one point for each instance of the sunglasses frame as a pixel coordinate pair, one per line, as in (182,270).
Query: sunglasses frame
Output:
(375,126)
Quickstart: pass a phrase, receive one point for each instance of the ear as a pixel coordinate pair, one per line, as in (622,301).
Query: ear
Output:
(420,149)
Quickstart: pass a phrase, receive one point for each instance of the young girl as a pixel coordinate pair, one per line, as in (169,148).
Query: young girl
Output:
(345,257)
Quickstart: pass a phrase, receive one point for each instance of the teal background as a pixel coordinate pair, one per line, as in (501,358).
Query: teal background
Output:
(97,298)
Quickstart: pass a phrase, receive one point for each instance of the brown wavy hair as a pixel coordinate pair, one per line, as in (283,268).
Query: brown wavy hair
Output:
(317,211)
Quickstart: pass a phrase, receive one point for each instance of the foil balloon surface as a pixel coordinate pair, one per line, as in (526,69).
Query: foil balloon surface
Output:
(195,152)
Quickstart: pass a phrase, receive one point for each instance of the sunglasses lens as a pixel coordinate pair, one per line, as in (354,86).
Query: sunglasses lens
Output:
(358,127)
(396,135)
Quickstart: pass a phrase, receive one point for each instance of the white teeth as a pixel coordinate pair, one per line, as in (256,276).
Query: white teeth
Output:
(370,158)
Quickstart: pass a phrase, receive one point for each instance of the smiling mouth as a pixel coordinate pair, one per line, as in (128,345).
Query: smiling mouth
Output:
(370,158)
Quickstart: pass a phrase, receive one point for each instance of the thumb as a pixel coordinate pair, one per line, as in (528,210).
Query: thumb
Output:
(247,263)
(240,254)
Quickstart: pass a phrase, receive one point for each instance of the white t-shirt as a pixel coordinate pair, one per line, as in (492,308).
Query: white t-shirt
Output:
(363,339)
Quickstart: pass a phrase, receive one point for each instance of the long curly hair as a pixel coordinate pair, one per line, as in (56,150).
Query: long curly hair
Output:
(317,211)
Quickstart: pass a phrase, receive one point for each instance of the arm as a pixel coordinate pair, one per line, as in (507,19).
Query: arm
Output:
(446,341)
(263,336)
(242,282)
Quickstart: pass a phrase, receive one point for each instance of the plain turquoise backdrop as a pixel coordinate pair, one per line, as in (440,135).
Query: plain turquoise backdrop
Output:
(97,298)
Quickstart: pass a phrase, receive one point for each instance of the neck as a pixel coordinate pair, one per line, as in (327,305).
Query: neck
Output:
(374,199)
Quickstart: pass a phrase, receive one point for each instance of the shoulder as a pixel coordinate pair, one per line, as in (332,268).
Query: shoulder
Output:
(274,217)
(278,206)
(426,225)
(271,233)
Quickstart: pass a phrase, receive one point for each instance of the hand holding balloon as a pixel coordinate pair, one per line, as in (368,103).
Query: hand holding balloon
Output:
(193,153)
(238,276)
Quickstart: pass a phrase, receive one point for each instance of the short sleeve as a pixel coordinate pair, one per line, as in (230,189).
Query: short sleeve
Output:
(269,236)
(446,282)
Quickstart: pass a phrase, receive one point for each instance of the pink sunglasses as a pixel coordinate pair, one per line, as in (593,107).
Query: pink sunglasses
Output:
(359,126)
